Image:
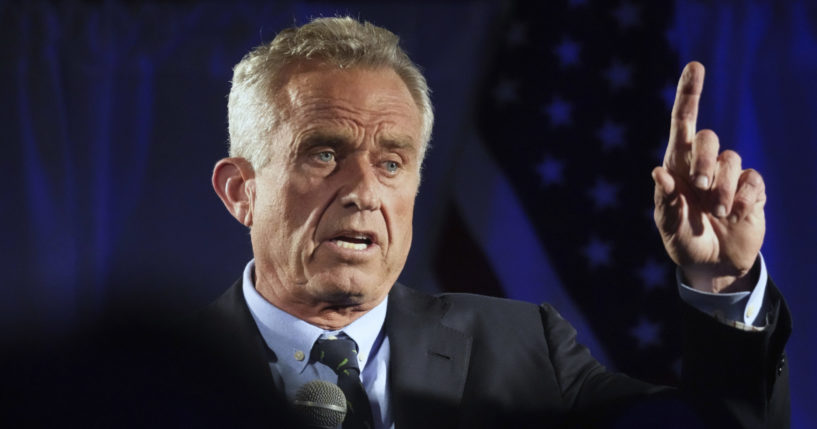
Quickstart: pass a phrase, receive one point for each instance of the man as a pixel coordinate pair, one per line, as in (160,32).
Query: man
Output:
(329,124)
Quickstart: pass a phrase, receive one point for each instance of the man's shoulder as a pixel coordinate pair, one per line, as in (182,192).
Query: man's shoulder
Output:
(230,301)
(466,311)
(224,327)
(458,301)
(226,314)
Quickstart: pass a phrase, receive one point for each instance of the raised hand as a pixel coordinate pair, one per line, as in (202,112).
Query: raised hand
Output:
(708,209)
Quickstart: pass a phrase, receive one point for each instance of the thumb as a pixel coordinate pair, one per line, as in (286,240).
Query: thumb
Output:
(664,186)
(666,214)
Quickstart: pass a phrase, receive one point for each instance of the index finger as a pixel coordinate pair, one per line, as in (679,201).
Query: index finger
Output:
(684,116)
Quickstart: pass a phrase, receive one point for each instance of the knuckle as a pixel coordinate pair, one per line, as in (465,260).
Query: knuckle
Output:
(753,178)
(708,136)
(743,199)
(684,114)
(740,204)
(730,157)
(704,164)
(688,158)
(707,141)
(725,193)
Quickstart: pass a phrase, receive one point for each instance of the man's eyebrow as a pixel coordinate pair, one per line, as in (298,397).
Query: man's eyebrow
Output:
(322,139)
(399,143)
(336,139)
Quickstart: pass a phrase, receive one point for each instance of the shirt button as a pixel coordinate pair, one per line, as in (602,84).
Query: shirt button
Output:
(780,365)
(750,312)
(299,355)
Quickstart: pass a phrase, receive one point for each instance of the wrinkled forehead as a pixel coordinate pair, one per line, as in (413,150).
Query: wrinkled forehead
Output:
(319,91)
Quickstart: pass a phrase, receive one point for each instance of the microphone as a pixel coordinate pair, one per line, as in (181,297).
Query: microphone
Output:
(320,404)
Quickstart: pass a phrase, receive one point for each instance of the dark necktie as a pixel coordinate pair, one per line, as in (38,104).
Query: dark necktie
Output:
(341,355)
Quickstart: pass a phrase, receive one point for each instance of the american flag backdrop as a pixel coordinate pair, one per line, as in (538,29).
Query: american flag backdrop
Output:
(550,117)
(575,113)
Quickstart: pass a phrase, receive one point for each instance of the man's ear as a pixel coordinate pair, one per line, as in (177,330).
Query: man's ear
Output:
(234,182)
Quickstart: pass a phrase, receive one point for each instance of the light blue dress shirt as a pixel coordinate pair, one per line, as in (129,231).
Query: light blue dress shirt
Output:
(291,339)
(739,309)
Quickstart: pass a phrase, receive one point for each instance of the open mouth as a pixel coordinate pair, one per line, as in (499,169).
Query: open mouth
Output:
(353,242)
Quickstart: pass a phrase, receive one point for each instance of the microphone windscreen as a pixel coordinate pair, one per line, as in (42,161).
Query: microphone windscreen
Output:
(320,404)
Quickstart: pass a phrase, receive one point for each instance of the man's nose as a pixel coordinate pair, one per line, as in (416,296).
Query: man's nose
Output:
(361,189)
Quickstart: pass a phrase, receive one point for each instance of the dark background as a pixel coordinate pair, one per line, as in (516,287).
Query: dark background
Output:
(537,186)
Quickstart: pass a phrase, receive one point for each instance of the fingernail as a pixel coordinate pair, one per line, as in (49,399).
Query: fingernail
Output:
(733,219)
(720,211)
(702,182)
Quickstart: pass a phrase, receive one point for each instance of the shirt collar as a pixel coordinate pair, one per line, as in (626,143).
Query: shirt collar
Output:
(291,339)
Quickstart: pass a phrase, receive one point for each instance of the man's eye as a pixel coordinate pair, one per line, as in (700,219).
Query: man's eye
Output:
(326,156)
(391,166)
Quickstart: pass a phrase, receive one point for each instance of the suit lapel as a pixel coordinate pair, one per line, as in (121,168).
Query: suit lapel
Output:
(236,333)
(428,361)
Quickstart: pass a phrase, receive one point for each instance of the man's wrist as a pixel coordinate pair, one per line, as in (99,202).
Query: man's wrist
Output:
(705,281)
(744,309)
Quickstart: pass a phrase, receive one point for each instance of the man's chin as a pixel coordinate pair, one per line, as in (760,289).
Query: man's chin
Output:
(351,289)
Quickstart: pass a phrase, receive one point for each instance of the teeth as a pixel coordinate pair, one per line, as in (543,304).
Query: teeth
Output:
(353,246)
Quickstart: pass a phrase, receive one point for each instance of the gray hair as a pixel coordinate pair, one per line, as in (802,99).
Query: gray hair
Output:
(342,41)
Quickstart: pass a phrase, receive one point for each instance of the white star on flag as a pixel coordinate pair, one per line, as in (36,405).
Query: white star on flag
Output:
(550,170)
(619,75)
(604,194)
(646,333)
(597,253)
(611,135)
(559,112)
(652,274)
(568,53)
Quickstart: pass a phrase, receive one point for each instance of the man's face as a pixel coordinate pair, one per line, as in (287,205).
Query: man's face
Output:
(332,214)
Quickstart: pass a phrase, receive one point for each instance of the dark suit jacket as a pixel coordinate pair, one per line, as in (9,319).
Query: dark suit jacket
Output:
(460,360)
